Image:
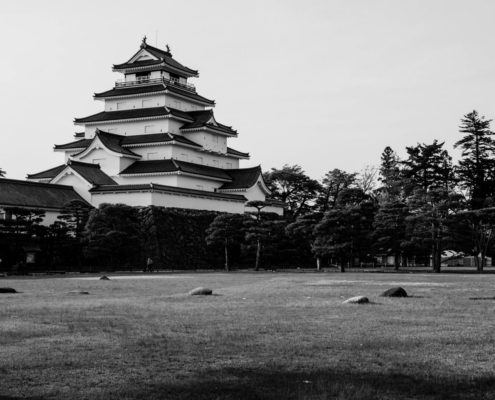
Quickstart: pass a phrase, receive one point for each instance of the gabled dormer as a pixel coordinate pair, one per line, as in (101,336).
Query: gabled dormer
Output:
(106,150)
(149,58)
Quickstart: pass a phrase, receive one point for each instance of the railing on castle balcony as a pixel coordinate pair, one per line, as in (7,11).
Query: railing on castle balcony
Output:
(154,81)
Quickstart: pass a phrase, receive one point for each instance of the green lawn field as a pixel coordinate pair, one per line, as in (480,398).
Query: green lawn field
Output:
(260,336)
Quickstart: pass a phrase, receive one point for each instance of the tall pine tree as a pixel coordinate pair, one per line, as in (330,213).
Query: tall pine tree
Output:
(477,165)
(428,166)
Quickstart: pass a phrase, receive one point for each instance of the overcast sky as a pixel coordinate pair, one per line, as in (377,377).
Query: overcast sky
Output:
(321,83)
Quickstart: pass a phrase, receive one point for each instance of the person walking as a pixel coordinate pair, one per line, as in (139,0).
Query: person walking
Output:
(150,264)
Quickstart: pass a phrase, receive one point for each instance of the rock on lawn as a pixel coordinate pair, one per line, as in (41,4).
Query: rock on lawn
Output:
(357,300)
(7,290)
(394,292)
(201,291)
(75,292)
(104,278)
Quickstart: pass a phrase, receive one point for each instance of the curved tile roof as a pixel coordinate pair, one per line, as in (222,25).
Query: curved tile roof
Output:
(78,144)
(201,119)
(48,174)
(242,178)
(159,88)
(169,165)
(106,116)
(130,141)
(150,167)
(230,150)
(163,56)
(91,172)
(16,193)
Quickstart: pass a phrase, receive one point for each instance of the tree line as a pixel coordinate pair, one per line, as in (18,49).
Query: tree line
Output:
(412,208)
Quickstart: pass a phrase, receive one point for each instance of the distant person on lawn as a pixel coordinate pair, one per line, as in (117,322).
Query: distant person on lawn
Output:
(150,264)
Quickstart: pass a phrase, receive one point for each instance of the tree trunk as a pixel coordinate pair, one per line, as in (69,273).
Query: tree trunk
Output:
(482,264)
(477,262)
(396,261)
(227,257)
(342,266)
(318,264)
(258,256)
(437,258)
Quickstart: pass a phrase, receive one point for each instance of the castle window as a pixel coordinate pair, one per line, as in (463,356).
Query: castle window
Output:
(149,129)
(215,163)
(121,106)
(101,161)
(194,108)
(214,138)
(200,160)
(112,130)
(177,105)
(229,165)
(152,156)
(184,157)
(200,187)
(146,103)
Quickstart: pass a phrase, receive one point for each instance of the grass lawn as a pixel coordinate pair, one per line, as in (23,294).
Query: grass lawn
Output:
(262,336)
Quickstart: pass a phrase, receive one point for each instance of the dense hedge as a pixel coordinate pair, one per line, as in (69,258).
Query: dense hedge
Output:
(174,238)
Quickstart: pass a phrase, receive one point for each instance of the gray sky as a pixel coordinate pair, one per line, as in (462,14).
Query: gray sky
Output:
(323,84)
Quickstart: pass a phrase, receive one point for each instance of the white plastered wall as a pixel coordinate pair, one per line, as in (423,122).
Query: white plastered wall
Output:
(256,193)
(80,185)
(159,152)
(131,199)
(192,182)
(205,139)
(69,154)
(131,103)
(168,200)
(50,217)
(203,157)
(109,163)
(132,128)
(154,100)
(183,103)
(167,180)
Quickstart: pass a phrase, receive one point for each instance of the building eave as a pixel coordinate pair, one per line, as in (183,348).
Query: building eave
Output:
(205,128)
(171,142)
(6,205)
(132,119)
(206,177)
(154,66)
(97,144)
(154,189)
(66,150)
(236,156)
(129,95)
(204,103)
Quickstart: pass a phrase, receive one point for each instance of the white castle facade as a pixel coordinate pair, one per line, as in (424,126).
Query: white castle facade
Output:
(157,142)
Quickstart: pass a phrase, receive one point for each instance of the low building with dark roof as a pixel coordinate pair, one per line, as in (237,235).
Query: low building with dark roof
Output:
(36,195)
(157,141)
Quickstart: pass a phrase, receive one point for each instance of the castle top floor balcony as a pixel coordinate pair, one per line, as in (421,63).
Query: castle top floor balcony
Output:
(147,80)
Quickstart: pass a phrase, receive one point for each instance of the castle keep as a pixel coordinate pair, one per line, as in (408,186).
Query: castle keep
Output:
(157,142)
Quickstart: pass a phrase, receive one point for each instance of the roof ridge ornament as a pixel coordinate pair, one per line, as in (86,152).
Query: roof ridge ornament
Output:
(168,49)
(143,44)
